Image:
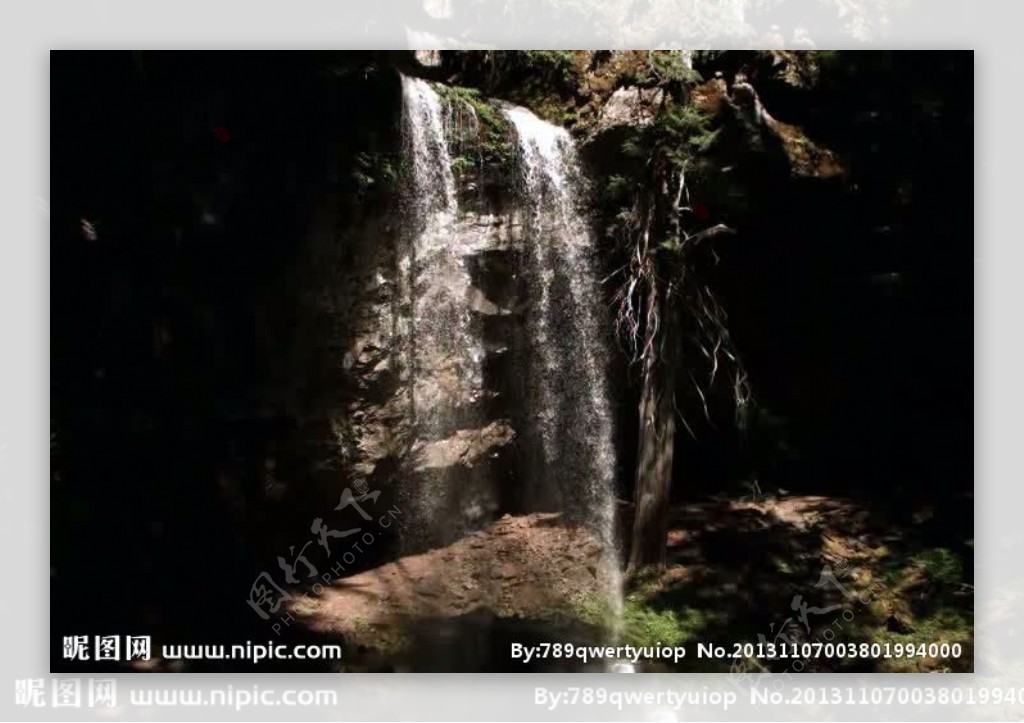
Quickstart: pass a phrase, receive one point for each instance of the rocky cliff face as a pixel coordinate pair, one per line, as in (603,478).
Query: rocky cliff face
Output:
(389,373)
(489,336)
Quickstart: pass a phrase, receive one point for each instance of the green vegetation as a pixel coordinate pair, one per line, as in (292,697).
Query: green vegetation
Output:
(553,65)
(941,565)
(680,134)
(546,81)
(647,624)
(490,141)
(661,68)
(945,624)
(595,610)
(555,68)
(679,137)
(922,599)
(646,619)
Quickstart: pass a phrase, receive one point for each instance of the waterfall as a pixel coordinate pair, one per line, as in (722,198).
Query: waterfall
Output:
(569,335)
(445,353)
(440,318)
(557,345)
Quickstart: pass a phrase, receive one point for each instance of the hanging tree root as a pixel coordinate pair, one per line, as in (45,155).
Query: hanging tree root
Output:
(703,321)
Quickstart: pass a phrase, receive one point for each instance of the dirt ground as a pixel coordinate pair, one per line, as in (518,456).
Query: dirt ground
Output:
(806,568)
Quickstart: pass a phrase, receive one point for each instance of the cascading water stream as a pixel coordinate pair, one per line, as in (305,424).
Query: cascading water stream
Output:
(445,353)
(441,320)
(569,386)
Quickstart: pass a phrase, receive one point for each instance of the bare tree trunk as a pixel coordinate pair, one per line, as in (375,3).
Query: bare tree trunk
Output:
(657,441)
(657,398)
